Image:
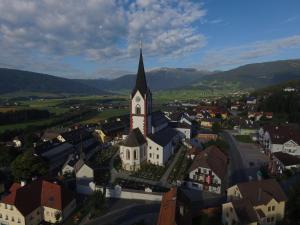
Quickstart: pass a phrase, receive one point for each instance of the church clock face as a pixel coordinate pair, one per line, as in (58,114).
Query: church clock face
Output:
(137,99)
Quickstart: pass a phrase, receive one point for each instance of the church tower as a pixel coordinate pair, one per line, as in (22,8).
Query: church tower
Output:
(141,102)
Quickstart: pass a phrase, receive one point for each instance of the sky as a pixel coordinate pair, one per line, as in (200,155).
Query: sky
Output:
(101,38)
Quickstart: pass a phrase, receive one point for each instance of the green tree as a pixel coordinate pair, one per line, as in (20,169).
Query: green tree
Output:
(7,155)
(27,165)
(216,127)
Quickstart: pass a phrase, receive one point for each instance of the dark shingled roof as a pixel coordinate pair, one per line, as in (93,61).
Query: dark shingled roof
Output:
(261,191)
(141,82)
(287,159)
(158,118)
(163,137)
(135,138)
(244,211)
(212,158)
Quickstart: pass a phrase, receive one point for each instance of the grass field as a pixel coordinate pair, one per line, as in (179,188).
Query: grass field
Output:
(100,116)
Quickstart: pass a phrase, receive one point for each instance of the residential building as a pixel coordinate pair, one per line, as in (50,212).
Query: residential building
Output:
(281,161)
(280,138)
(36,202)
(208,170)
(256,202)
(174,209)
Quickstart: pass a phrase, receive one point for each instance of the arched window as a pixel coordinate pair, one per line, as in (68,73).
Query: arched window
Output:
(127,154)
(138,109)
(135,155)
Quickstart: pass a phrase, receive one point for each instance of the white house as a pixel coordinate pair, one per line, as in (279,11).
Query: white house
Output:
(280,139)
(208,170)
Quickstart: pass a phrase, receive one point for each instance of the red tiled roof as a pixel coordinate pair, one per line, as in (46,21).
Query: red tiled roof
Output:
(39,193)
(167,213)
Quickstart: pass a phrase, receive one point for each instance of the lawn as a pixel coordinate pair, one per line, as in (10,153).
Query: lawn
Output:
(180,169)
(150,172)
(243,138)
(100,116)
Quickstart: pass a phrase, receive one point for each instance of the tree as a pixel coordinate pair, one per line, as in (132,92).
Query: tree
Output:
(216,127)
(27,165)
(293,207)
(7,155)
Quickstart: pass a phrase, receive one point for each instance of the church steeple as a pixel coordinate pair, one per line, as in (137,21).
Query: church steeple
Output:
(141,82)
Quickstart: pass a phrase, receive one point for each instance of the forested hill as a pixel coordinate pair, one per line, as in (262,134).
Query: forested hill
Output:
(12,80)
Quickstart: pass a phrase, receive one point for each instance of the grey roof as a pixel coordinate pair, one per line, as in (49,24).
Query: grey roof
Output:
(141,83)
(158,118)
(134,139)
(164,136)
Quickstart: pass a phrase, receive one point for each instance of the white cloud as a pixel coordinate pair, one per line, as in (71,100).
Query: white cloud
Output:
(237,55)
(97,29)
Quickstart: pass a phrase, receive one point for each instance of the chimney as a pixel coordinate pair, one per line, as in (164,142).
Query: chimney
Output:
(23,183)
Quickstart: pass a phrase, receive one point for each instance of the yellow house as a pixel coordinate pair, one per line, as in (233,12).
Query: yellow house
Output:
(39,201)
(255,202)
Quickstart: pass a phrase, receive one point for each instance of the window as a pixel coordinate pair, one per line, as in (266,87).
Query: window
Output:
(273,208)
(150,147)
(157,148)
(6,217)
(272,219)
(0,215)
(268,220)
(11,207)
(269,208)
(157,156)
(127,154)
(150,155)
(138,110)
(135,155)
(13,219)
(19,221)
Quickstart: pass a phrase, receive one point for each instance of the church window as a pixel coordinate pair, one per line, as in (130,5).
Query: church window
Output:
(135,155)
(138,110)
(127,154)
(150,155)
(157,156)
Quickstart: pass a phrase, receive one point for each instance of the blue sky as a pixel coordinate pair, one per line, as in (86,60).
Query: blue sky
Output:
(100,38)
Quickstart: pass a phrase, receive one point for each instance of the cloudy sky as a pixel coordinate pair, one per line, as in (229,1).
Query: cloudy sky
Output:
(100,38)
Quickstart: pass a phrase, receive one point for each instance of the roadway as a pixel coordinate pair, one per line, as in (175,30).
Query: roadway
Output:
(237,168)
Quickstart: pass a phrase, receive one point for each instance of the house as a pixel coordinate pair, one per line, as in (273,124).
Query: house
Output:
(75,136)
(17,142)
(206,135)
(255,115)
(255,202)
(282,161)
(191,153)
(88,176)
(184,129)
(174,208)
(280,138)
(268,115)
(208,170)
(211,111)
(251,100)
(36,202)
(113,128)
(208,123)
(289,89)
(150,138)
(73,164)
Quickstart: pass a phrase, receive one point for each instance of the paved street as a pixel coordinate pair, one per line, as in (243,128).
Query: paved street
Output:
(237,171)
(127,212)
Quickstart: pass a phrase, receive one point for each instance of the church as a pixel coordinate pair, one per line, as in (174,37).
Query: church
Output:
(150,139)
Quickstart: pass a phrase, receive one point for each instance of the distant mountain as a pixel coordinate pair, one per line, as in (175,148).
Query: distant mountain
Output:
(12,80)
(158,79)
(251,76)
(258,75)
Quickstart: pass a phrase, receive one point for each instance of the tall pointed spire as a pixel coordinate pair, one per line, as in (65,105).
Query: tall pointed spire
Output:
(141,82)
